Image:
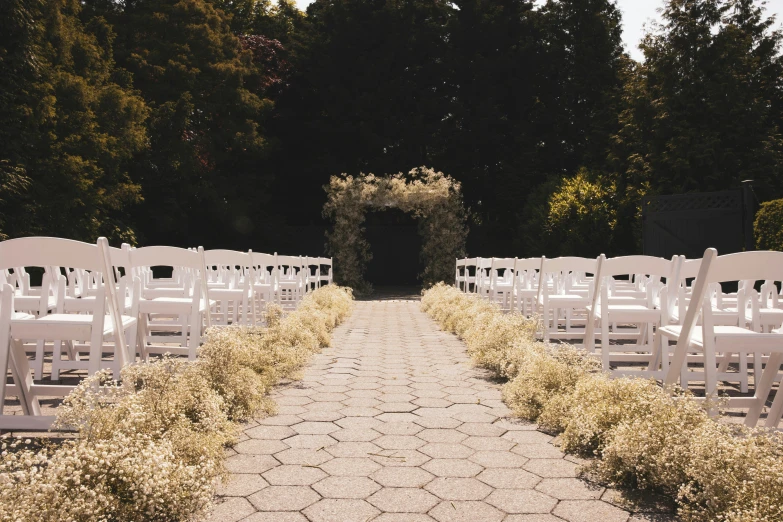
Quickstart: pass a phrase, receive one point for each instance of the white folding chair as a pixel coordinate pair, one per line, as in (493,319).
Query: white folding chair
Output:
(501,282)
(618,304)
(483,268)
(232,289)
(264,281)
(180,305)
(566,287)
(711,340)
(290,281)
(459,274)
(104,323)
(527,285)
(326,271)
(471,264)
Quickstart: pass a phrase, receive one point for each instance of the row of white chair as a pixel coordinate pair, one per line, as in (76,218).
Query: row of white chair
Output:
(637,314)
(88,321)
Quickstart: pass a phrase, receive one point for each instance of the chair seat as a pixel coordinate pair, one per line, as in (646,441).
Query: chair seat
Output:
(163,305)
(771,314)
(86,304)
(630,312)
(227,293)
(567,300)
(740,338)
(63,326)
(33,302)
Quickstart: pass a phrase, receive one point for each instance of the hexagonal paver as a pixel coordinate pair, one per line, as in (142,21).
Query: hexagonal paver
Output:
(521,501)
(315,428)
(363,393)
(402,477)
(340,510)
(321,416)
(270,432)
(353,449)
(250,463)
(397,417)
(400,458)
(537,451)
(589,511)
(260,447)
(452,468)
(346,487)
(291,410)
(570,489)
(403,500)
(498,459)
(404,517)
(359,423)
(552,468)
(293,401)
(359,467)
(310,441)
(357,411)
(329,397)
(480,429)
(399,442)
(283,498)
(452,488)
(444,450)
(304,457)
(294,475)
(397,397)
(528,437)
(231,510)
(241,485)
(507,478)
(361,402)
(355,435)
(466,511)
(276,516)
(399,428)
(488,443)
(438,422)
(442,435)
(397,407)
(538,517)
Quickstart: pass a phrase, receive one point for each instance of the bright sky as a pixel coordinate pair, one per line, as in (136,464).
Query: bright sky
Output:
(635,14)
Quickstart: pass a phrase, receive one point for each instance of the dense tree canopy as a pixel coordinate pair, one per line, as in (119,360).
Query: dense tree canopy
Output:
(218,122)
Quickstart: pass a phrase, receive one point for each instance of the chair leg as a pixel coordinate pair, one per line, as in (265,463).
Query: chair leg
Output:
(743,372)
(39,360)
(763,387)
(56,359)
(606,360)
(710,372)
(775,412)
(195,333)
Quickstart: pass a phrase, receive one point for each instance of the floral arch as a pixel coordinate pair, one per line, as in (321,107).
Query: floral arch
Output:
(434,198)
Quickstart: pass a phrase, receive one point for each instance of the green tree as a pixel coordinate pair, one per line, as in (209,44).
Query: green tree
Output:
(703,111)
(72,124)
(201,177)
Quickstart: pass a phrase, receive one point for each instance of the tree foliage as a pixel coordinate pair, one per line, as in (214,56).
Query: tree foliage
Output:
(71,124)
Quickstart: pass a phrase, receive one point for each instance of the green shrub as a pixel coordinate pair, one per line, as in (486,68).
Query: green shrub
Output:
(768,227)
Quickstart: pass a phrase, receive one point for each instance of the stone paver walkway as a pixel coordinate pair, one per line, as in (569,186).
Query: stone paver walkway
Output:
(393,424)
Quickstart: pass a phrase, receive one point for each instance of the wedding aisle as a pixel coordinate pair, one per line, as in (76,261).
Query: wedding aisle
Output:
(392,423)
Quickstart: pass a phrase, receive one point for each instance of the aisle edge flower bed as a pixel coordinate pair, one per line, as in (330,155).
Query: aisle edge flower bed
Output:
(151,448)
(640,435)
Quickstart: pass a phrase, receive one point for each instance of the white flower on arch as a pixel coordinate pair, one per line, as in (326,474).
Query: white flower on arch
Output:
(434,198)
